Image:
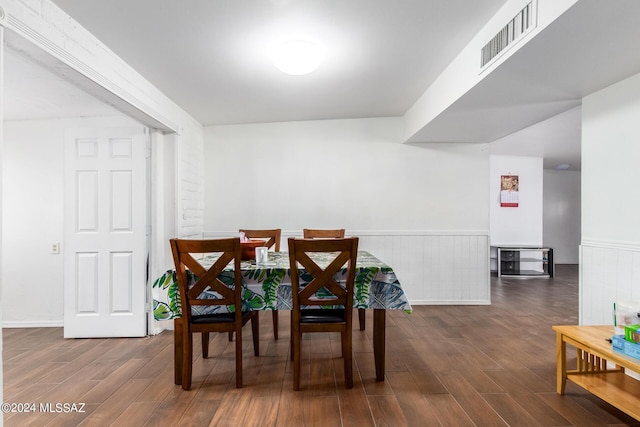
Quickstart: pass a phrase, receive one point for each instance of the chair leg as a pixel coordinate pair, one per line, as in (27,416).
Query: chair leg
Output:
(239,356)
(347,354)
(274,315)
(291,339)
(361,318)
(255,331)
(296,350)
(205,345)
(187,357)
(230,336)
(177,351)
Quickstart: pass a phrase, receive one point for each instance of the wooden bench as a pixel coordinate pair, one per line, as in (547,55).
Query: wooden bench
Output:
(608,381)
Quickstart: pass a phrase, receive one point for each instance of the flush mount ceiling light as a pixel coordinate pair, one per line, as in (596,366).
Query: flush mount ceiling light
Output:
(563,166)
(297,57)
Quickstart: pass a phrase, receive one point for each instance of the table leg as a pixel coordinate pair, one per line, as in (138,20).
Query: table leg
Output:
(561,363)
(379,325)
(177,350)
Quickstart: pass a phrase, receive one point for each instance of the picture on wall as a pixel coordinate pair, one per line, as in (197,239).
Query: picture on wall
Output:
(509,191)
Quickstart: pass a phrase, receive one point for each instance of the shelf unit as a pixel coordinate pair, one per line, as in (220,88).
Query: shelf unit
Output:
(524,261)
(599,369)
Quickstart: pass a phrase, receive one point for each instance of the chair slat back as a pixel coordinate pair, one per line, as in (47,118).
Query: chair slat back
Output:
(314,293)
(310,233)
(229,291)
(273,235)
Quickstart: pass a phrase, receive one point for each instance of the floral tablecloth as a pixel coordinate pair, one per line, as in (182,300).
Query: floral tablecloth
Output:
(268,286)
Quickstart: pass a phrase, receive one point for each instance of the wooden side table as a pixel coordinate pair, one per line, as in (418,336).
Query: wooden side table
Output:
(600,370)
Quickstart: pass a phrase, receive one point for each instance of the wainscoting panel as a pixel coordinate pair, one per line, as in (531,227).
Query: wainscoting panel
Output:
(433,267)
(609,272)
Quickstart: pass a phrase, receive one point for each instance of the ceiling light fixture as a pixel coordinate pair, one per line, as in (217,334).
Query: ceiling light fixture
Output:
(563,166)
(297,57)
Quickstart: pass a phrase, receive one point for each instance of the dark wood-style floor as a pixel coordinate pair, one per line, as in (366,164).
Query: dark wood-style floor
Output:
(446,365)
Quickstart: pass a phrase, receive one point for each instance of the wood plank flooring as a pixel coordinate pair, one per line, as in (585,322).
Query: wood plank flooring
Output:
(446,366)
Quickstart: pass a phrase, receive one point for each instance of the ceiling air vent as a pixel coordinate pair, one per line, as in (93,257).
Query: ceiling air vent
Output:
(513,31)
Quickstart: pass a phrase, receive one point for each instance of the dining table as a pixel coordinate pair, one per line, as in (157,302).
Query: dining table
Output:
(267,286)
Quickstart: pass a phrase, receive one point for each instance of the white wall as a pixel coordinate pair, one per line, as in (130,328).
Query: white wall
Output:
(562,215)
(190,182)
(520,225)
(355,174)
(559,135)
(1,205)
(163,211)
(610,249)
(277,174)
(32,162)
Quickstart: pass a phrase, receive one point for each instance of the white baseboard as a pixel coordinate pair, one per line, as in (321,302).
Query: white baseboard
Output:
(33,324)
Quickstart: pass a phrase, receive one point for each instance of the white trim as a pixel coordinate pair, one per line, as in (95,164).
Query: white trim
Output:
(611,244)
(349,232)
(33,324)
(418,232)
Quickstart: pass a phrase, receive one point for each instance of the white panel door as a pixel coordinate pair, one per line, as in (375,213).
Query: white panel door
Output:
(105,242)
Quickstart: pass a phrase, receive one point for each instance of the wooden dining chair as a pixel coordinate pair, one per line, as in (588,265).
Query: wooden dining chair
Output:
(314,233)
(338,233)
(273,237)
(322,304)
(222,290)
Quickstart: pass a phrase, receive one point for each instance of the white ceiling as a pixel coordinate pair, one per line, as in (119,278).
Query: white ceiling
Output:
(210,57)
